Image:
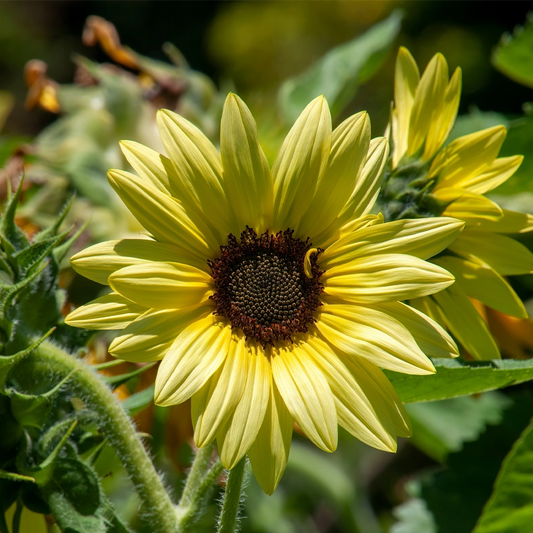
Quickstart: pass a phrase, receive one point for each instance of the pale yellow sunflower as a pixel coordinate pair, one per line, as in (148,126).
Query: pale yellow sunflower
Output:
(425,178)
(270,295)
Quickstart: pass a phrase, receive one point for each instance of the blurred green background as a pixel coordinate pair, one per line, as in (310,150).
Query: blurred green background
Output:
(253,46)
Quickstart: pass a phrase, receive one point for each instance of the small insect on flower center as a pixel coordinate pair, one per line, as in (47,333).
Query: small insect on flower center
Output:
(262,286)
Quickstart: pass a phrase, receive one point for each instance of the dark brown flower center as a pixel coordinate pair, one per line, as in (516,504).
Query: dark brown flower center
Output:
(261,285)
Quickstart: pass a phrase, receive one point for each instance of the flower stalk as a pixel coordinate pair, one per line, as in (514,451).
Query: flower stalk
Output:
(232,498)
(157,508)
(201,478)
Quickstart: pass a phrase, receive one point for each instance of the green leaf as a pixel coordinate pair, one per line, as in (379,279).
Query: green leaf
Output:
(77,502)
(455,377)
(519,140)
(442,427)
(43,472)
(457,494)
(137,402)
(510,507)
(413,517)
(338,74)
(79,483)
(67,517)
(117,381)
(514,54)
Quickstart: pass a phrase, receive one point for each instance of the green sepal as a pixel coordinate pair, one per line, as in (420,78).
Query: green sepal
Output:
(12,476)
(8,292)
(30,256)
(31,410)
(52,230)
(6,271)
(62,250)
(43,472)
(8,227)
(117,381)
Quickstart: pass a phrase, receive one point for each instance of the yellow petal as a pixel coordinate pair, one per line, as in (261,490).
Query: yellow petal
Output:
(198,165)
(505,255)
(159,172)
(336,232)
(147,163)
(194,357)
(428,306)
(444,117)
(307,395)
(465,323)
(510,222)
(111,311)
(151,335)
(406,79)
(162,216)
(162,285)
(241,430)
(366,420)
(301,160)
(349,147)
(423,238)
(467,206)
(270,451)
(247,178)
(484,284)
(428,334)
(215,402)
(429,98)
(369,333)
(385,278)
(364,195)
(494,175)
(98,262)
(380,392)
(467,156)
(368,181)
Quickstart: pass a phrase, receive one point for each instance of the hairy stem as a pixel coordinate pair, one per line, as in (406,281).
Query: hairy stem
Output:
(232,498)
(200,481)
(118,428)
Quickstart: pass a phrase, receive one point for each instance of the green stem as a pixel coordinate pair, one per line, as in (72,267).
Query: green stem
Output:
(199,467)
(232,498)
(199,483)
(157,507)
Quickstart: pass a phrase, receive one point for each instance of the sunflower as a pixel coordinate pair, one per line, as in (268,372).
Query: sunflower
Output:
(270,295)
(425,178)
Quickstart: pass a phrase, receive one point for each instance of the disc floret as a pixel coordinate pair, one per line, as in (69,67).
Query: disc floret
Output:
(261,285)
